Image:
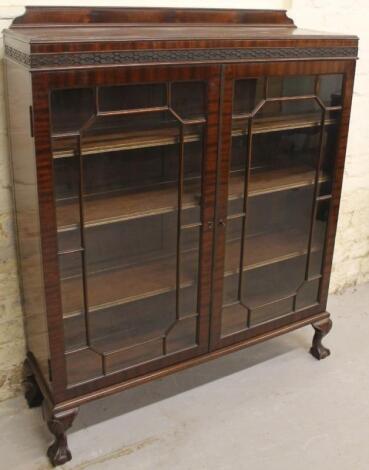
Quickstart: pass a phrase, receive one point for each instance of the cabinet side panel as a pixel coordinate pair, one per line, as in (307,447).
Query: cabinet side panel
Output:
(26,211)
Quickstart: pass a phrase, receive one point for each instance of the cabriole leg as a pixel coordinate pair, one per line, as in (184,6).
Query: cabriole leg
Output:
(58,424)
(322,328)
(32,392)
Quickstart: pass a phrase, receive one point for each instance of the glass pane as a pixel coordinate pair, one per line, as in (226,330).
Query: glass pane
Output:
(276,231)
(118,358)
(330,89)
(71,287)
(128,200)
(318,237)
(247,94)
(83,365)
(291,86)
(183,335)
(297,110)
(308,294)
(71,108)
(279,194)
(330,143)
(190,258)
(271,310)
(114,98)
(188,99)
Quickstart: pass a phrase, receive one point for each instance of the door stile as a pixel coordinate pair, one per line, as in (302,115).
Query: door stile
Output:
(223,166)
(48,231)
(300,309)
(337,178)
(208,191)
(209,75)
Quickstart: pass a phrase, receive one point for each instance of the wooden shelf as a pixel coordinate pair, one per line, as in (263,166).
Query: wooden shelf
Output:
(119,286)
(281,123)
(66,144)
(273,180)
(266,249)
(119,206)
(160,199)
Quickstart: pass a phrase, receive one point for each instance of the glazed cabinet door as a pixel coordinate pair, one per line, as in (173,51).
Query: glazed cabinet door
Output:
(134,162)
(281,125)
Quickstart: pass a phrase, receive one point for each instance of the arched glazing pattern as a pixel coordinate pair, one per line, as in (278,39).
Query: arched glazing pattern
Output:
(284,134)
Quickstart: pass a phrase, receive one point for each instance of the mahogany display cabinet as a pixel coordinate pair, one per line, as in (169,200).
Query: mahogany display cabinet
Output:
(177,177)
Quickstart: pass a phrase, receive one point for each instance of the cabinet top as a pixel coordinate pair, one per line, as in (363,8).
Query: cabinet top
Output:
(81,36)
(46,16)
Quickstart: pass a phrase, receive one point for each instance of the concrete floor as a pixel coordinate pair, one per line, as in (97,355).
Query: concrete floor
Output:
(269,407)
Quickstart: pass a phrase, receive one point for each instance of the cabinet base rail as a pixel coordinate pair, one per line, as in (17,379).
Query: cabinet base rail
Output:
(60,416)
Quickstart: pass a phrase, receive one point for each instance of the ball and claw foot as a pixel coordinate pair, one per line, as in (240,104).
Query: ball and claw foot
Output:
(32,392)
(59,452)
(58,424)
(321,328)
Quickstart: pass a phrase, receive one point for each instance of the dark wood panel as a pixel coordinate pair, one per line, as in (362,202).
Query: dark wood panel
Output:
(26,211)
(97,46)
(232,72)
(173,32)
(41,84)
(46,16)
(48,234)
(107,29)
(141,79)
(335,42)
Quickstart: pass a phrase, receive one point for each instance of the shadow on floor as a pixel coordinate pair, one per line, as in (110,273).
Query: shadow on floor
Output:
(161,389)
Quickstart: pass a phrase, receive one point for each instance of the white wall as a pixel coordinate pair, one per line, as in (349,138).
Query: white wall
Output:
(351,259)
(351,263)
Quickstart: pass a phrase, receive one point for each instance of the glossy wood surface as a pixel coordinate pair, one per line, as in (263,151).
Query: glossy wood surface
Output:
(238,71)
(98,372)
(26,208)
(172,32)
(107,29)
(41,84)
(87,15)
